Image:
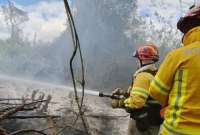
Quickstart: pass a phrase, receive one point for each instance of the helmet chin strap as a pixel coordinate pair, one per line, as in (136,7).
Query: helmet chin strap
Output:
(142,65)
(139,64)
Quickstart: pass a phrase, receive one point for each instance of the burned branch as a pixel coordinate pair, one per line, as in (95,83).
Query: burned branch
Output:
(27,131)
(33,117)
(35,107)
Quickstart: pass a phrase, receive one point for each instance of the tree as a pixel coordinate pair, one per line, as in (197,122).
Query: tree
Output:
(14,18)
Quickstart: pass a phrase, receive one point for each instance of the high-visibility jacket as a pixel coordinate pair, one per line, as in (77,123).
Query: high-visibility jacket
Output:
(139,92)
(177,85)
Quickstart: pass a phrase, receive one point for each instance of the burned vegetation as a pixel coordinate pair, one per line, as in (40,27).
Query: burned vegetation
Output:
(22,115)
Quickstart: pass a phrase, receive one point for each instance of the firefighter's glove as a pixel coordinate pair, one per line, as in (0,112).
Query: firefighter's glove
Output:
(117,103)
(118,91)
(134,102)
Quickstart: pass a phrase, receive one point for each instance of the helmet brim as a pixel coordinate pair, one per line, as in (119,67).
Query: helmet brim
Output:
(135,54)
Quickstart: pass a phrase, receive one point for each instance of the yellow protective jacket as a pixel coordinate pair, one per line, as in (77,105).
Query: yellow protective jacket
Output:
(177,85)
(140,87)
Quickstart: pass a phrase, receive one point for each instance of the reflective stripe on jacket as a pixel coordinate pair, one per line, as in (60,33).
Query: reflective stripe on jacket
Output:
(177,85)
(140,88)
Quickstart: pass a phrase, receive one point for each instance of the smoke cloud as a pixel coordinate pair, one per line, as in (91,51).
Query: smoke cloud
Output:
(109,31)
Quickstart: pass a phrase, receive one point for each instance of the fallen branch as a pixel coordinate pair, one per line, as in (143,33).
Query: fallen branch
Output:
(68,126)
(3,131)
(11,99)
(104,116)
(17,109)
(32,117)
(11,112)
(23,131)
(6,109)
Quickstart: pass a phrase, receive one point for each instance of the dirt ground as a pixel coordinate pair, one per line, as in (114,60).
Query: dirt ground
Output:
(101,118)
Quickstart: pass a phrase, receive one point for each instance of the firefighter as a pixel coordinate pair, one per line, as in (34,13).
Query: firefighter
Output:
(138,93)
(177,83)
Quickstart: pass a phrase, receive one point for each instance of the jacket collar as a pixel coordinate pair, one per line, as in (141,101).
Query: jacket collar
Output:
(192,36)
(151,67)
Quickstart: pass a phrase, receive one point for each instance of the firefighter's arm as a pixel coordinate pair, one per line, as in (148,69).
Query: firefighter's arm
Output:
(139,92)
(163,81)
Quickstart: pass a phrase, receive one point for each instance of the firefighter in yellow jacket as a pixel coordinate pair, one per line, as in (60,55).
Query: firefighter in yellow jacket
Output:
(138,92)
(177,83)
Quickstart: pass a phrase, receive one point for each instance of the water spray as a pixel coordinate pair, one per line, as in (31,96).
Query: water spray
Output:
(99,94)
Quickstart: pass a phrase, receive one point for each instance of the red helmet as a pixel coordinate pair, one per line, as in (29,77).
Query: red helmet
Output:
(147,52)
(190,20)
